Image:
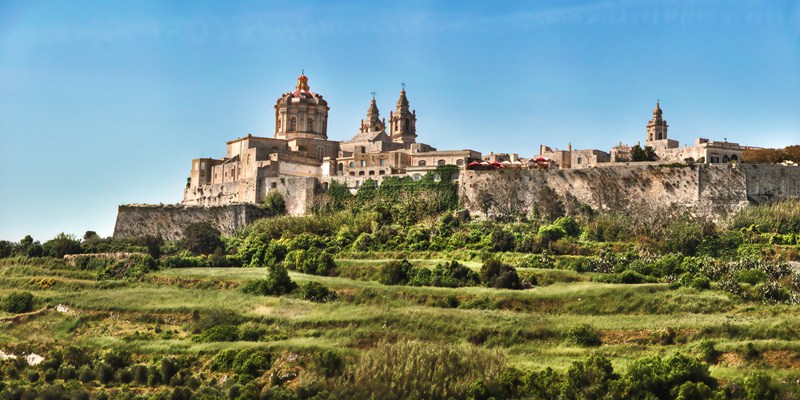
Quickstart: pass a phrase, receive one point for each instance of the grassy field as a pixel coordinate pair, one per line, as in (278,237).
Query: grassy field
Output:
(153,317)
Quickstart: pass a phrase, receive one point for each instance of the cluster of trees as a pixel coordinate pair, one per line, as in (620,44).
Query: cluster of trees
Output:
(772,156)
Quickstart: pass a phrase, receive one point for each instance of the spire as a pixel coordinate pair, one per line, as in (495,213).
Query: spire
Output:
(373,107)
(402,101)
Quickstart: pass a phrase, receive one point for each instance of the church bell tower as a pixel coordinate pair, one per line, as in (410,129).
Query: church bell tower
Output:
(403,123)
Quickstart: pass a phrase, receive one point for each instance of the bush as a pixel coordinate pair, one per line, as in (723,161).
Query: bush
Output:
(499,276)
(312,261)
(316,292)
(276,283)
(219,333)
(759,386)
(61,245)
(274,204)
(569,225)
(453,274)
(395,272)
(583,335)
(18,302)
(551,233)
(202,238)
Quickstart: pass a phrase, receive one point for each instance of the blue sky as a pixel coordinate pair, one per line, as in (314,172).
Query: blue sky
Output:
(106,103)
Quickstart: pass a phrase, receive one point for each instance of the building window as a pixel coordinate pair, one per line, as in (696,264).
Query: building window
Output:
(459,162)
(372,172)
(310,125)
(734,158)
(579,160)
(320,152)
(440,162)
(383,162)
(341,167)
(293,124)
(725,159)
(352,173)
(352,164)
(381,172)
(421,163)
(361,172)
(363,163)
(358,184)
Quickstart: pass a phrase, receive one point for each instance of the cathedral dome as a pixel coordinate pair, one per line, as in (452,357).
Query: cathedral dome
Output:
(302,93)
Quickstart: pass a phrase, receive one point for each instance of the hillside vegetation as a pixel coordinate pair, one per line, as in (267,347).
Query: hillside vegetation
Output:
(395,294)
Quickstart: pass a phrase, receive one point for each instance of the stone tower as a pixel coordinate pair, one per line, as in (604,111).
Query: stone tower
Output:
(403,123)
(656,127)
(373,122)
(301,113)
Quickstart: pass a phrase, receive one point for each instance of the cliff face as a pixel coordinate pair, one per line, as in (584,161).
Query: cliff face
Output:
(709,190)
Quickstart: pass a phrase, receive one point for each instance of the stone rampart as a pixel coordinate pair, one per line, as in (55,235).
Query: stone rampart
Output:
(709,190)
(169,220)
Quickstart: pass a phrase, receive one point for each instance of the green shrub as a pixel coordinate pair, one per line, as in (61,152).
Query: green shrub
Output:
(219,333)
(395,272)
(312,261)
(274,204)
(759,386)
(453,274)
(700,283)
(551,233)
(276,283)
(61,245)
(502,240)
(661,376)
(18,302)
(316,292)
(202,238)
(251,331)
(583,335)
(569,225)
(499,276)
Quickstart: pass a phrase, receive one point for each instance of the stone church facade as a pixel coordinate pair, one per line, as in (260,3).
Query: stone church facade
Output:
(300,159)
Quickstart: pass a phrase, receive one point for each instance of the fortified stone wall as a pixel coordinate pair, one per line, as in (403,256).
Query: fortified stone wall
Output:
(169,220)
(709,190)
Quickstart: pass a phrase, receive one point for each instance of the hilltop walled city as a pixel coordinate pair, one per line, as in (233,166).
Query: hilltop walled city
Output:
(300,161)
(301,148)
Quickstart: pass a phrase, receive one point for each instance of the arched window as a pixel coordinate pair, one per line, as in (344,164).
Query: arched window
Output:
(459,162)
(310,125)
(421,163)
(725,158)
(440,162)
(734,158)
(372,172)
(341,167)
(352,164)
(293,124)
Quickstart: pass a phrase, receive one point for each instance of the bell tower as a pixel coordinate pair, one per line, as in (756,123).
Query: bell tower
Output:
(373,122)
(403,123)
(657,127)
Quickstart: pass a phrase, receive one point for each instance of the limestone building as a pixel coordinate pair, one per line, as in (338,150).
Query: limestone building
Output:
(300,160)
(667,150)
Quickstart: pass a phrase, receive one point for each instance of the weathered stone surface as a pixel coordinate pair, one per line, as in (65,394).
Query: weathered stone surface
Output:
(709,190)
(169,220)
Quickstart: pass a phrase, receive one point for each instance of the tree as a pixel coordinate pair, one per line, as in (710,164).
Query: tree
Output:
(202,238)
(642,154)
(18,302)
(274,204)
(61,245)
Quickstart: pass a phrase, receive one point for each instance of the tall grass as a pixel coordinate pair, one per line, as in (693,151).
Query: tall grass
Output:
(780,217)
